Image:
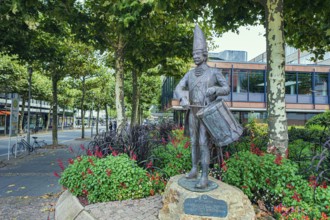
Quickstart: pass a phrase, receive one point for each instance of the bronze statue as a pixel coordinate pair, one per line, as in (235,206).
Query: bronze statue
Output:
(204,84)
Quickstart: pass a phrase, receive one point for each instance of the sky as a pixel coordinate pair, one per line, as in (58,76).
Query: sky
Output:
(250,39)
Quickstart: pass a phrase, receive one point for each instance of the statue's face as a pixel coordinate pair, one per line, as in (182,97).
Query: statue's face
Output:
(198,57)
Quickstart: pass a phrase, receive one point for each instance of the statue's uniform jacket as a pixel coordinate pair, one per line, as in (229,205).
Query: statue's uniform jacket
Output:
(197,85)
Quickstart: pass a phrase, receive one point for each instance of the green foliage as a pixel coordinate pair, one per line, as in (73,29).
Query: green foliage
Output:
(322,120)
(175,157)
(274,180)
(301,152)
(108,179)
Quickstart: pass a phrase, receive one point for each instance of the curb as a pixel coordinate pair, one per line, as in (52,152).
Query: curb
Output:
(68,207)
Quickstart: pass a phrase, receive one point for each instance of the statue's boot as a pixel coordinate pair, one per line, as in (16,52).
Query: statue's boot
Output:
(193,173)
(202,184)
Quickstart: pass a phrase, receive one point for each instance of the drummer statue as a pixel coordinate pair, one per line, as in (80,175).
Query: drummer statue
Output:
(204,84)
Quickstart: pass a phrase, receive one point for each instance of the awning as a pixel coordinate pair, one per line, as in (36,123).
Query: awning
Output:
(4,112)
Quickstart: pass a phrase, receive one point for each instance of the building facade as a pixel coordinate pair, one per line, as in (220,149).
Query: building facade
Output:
(306,87)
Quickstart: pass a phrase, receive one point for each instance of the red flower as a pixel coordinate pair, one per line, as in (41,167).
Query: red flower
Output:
(152,192)
(278,209)
(133,156)
(324,185)
(268,181)
(99,153)
(324,216)
(109,172)
(227,155)
(255,150)
(89,152)
(91,161)
(149,165)
(186,145)
(122,184)
(82,147)
(296,197)
(85,192)
(224,166)
(71,161)
(114,153)
(79,158)
(60,164)
(89,171)
(312,181)
(179,155)
(163,141)
(289,186)
(56,174)
(244,187)
(278,159)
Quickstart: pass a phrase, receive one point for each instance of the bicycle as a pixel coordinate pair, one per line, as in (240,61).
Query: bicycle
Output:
(22,146)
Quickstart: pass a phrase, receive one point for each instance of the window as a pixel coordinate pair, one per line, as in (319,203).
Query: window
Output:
(240,85)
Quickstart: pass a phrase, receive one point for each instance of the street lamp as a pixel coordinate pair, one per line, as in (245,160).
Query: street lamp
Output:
(29,105)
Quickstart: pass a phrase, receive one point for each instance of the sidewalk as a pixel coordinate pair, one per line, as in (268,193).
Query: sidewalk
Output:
(28,187)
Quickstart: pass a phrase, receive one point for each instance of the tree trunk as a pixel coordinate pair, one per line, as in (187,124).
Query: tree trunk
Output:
(54,122)
(135,100)
(106,117)
(20,127)
(119,88)
(277,120)
(82,108)
(97,120)
(63,117)
(90,119)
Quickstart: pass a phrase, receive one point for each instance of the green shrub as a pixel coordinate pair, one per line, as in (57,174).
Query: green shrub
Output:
(274,180)
(175,157)
(301,152)
(109,179)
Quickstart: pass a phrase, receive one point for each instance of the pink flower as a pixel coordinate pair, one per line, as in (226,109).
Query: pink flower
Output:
(71,161)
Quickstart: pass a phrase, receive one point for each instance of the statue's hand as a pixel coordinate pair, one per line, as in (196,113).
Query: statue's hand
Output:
(184,102)
(210,92)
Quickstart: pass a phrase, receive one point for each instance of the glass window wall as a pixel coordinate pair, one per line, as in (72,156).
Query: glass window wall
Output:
(256,86)
(291,87)
(305,88)
(240,85)
(321,88)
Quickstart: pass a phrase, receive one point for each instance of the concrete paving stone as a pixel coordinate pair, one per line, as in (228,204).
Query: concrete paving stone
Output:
(84,216)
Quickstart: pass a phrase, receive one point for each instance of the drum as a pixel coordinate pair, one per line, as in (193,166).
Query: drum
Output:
(220,123)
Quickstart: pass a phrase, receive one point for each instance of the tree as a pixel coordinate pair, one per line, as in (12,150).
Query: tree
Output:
(82,65)
(229,15)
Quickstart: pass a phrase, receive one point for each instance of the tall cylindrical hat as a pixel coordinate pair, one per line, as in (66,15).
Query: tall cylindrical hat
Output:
(199,40)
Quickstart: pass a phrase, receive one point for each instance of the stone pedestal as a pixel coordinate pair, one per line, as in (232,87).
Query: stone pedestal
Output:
(224,202)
